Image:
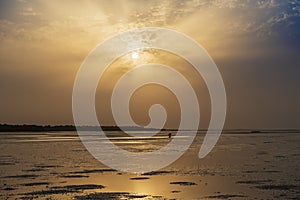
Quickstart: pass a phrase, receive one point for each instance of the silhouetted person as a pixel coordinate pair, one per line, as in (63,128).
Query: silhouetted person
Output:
(170,135)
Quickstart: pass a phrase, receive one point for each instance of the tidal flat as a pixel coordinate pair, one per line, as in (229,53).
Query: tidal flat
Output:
(56,165)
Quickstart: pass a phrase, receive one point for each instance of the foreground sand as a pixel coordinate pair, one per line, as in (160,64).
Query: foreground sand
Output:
(241,166)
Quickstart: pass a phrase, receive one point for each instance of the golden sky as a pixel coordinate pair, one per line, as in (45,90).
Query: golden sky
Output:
(255,44)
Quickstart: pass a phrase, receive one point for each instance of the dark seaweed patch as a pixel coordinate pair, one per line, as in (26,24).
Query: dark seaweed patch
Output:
(262,153)
(47,166)
(139,178)
(79,187)
(136,196)
(93,171)
(7,163)
(34,170)
(262,171)
(114,195)
(279,156)
(278,187)
(74,176)
(8,188)
(253,181)
(36,184)
(157,173)
(183,183)
(30,176)
(224,196)
(65,189)
(48,192)
(271,171)
(104,195)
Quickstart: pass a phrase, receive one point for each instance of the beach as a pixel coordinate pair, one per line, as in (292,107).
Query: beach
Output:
(56,165)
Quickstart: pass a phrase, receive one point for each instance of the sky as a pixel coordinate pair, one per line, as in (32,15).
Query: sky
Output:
(255,45)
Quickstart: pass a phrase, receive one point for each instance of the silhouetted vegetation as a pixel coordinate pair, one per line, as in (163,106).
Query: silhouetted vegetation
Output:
(48,128)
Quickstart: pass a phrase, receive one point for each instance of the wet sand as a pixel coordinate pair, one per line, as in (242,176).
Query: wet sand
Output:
(241,166)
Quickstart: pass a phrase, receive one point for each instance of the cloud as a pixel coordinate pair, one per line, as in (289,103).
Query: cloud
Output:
(29,11)
(254,43)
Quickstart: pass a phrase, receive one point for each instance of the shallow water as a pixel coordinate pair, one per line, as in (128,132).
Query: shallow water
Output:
(241,166)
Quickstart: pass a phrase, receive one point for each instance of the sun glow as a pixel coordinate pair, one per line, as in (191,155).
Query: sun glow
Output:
(135,55)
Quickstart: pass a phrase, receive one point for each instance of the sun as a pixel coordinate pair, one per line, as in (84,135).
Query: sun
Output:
(135,55)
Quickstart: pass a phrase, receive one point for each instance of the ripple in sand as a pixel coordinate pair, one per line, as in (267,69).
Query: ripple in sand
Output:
(7,160)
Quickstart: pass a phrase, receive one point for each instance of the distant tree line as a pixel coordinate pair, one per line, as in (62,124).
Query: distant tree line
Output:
(49,128)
